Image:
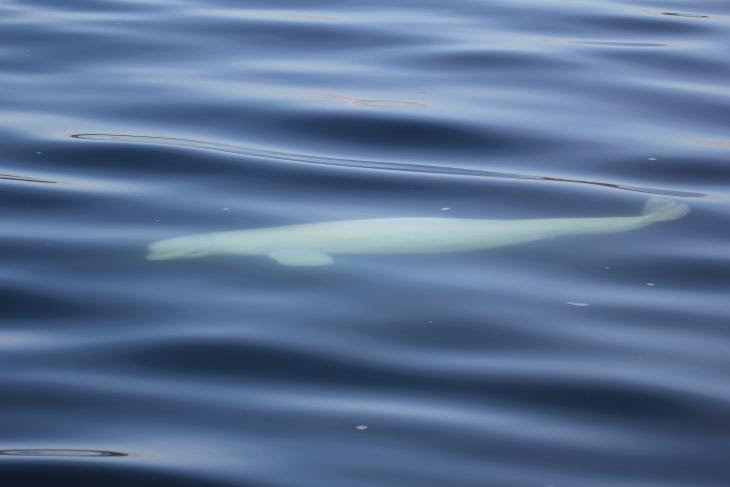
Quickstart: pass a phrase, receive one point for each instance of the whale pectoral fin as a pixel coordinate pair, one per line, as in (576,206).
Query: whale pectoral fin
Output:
(301,258)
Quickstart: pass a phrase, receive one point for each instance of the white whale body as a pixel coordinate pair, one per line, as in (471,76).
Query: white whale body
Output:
(313,244)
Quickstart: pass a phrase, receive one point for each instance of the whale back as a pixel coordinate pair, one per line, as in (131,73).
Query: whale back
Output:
(311,244)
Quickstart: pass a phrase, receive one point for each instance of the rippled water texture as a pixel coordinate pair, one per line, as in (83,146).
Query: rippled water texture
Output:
(594,360)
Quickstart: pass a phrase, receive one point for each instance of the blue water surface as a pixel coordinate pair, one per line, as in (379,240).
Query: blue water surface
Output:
(596,360)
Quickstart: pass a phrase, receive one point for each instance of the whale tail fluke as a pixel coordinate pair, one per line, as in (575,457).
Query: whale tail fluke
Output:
(661,209)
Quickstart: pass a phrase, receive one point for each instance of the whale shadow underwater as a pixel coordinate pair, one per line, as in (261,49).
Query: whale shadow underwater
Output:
(313,244)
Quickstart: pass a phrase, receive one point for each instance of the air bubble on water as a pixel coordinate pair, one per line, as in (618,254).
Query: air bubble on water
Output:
(577,304)
(651,284)
(445,208)
(361,427)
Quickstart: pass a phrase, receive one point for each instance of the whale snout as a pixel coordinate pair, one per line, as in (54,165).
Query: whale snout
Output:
(157,255)
(156,251)
(178,248)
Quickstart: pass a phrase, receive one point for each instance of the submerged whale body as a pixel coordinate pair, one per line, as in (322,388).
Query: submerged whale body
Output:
(313,244)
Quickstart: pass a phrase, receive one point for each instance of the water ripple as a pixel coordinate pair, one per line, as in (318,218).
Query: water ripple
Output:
(596,360)
(678,14)
(362,164)
(15,177)
(51,452)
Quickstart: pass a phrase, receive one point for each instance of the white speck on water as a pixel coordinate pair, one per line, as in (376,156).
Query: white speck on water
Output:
(579,305)
(157,221)
(651,284)
(607,267)
(430,321)
(652,158)
(226,209)
(38,153)
(361,427)
(445,208)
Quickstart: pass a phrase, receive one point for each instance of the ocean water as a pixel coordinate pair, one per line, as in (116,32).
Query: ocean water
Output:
(596,360)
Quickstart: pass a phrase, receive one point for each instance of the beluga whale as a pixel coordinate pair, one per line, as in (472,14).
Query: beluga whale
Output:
(314,244)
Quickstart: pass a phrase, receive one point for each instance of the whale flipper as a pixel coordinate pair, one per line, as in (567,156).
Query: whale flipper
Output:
(301,258)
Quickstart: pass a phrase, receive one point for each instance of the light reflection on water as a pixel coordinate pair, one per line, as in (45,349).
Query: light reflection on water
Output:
(595,360)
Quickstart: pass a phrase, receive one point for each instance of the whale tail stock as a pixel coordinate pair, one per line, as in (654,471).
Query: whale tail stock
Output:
(659,209)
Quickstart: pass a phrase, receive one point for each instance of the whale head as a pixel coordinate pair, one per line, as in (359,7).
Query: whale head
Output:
(187,247)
